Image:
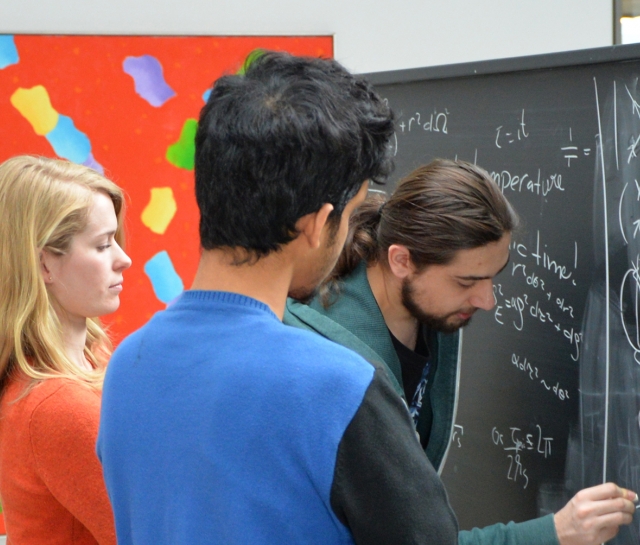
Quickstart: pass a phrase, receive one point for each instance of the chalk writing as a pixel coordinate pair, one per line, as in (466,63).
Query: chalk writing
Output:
(533,373)
(571,151)
(434,122)
(516,442)
(631,281)
(523,183)
(551,264)
(458,432)
(516,309)
(505,136)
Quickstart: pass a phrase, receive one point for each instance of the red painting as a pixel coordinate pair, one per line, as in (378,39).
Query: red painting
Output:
(128,106)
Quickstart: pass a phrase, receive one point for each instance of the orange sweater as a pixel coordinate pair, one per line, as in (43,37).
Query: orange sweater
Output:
(50,477)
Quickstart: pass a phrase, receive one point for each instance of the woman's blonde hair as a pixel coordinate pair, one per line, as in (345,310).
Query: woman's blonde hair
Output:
(43,204)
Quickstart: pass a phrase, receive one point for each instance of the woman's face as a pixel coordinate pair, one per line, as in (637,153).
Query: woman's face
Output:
(86,281)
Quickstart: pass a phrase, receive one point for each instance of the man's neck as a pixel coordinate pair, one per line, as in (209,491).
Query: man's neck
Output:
(387,289)
(267,280)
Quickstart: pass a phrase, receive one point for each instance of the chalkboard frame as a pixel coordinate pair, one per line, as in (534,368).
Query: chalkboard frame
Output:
(510,64)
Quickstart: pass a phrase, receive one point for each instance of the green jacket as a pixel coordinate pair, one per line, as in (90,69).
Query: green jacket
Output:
(354,320)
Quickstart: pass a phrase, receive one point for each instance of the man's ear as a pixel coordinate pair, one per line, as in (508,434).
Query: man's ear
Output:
(399,259)
(312,225)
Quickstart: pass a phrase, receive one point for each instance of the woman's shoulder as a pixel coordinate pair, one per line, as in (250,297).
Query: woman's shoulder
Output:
(52,397)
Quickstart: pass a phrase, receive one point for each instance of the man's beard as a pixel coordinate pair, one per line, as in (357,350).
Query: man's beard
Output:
(437,323)
(303,295)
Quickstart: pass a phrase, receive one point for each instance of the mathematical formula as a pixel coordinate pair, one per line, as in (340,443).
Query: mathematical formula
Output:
(516,442)
(533,373)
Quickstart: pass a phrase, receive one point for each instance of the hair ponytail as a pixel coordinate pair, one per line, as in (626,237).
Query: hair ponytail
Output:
(361,244)
(362,240)
(434,212)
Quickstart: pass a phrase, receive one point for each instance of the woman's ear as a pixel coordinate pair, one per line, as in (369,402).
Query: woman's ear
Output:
(45,266)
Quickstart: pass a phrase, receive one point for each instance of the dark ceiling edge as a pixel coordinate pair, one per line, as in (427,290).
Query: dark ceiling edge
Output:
(511,64)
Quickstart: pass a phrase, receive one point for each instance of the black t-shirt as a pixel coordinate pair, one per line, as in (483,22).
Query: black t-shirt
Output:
(412,363)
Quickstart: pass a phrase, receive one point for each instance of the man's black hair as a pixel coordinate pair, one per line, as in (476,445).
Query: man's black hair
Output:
(279,141)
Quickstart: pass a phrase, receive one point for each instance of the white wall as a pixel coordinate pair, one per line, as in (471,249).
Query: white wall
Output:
(371,35)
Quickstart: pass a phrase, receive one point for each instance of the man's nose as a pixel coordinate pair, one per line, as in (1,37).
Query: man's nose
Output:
(482,296)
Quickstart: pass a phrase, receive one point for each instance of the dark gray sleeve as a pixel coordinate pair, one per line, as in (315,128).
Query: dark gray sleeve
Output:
(384,489)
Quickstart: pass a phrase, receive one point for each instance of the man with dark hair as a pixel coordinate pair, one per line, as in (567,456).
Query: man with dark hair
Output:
(222,425)
(414,270)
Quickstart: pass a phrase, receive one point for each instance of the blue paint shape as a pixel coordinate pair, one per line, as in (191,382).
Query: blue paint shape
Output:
(205,95)
(68,142)
(148,79)
(8,51)
(92,163)
(167,285)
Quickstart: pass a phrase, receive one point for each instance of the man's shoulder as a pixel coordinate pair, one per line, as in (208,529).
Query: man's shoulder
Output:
(129,343)
(303,337)
(308,318)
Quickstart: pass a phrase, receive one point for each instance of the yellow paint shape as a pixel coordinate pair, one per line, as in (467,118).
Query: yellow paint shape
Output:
(34,104)
(158,214)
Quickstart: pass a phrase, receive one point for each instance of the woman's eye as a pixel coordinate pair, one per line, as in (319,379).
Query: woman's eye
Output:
(104,247)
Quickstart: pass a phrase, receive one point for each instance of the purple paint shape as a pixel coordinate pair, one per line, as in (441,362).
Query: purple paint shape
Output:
(92,163)
(148,78)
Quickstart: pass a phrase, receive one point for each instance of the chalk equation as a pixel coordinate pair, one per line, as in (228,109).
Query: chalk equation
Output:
(536,266)
(516,442)
(518,309)
(572,152)
(533,373)
(506,135)
(435,122)
(510,135)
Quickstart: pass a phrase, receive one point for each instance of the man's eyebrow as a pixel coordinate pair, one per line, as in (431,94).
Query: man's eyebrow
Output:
(472,277)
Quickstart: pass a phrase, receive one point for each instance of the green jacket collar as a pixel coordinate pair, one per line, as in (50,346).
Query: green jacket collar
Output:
(355,321)
(367,324)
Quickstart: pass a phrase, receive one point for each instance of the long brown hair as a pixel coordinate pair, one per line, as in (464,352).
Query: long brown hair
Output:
(435,211)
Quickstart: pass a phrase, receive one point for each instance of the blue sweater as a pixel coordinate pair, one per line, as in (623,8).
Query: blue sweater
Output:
(220,424)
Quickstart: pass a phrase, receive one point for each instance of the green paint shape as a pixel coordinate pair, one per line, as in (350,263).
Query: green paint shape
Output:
(251,58)
(182,153)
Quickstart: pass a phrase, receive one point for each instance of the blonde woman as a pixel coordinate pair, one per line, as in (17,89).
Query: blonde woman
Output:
(61,267)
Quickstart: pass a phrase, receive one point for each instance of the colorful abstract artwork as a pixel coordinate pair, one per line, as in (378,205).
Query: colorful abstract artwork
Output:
(128,107)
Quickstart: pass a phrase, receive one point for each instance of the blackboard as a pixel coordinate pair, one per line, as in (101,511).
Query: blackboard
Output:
(550,378)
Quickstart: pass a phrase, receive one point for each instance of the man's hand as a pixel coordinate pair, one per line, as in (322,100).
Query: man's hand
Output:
(594,515)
